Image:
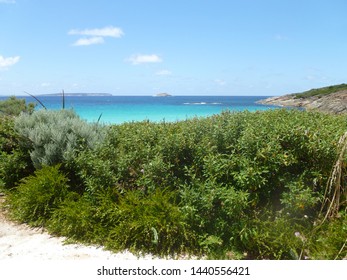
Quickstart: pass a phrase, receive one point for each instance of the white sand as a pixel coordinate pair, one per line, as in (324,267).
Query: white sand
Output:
(21,241)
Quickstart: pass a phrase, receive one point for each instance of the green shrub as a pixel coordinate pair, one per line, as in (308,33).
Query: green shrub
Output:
(14,106)
(213,209)
(54,136)
(150,224)
(75,219)
(38,195)
(85,218)
(225,171)
(330,240)
(274,238)
(15,162)
(250,182)
(300,200)
(282,237)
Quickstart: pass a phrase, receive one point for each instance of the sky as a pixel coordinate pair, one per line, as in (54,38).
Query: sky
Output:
(181,47)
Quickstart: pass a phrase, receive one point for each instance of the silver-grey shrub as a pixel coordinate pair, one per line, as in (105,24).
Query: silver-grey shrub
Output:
(55,136)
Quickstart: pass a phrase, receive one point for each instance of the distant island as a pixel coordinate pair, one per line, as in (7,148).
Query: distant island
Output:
(77,94)
(331,99)
(162,95)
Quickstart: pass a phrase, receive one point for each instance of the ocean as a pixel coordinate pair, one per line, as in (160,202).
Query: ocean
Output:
(120,109)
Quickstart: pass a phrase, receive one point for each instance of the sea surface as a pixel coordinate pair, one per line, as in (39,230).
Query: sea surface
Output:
(120,109)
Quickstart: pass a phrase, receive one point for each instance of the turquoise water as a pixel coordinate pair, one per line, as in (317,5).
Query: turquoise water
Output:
(119,109)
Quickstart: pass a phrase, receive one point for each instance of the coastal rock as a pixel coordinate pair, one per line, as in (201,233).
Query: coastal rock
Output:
(335,103)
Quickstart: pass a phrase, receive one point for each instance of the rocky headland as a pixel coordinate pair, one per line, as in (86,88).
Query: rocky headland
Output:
(318,99)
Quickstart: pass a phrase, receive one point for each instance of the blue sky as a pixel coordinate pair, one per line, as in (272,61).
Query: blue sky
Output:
(183,47)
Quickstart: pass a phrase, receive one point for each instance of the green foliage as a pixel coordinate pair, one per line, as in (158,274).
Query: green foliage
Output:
(54,136)
(299,200)
(321,91)
(212,209)
(85,218)
(226,185)
(150,223)
(143,223)
(38,195)
(274,238)
(75,218)
(14,106)
(330,240)
(15,162)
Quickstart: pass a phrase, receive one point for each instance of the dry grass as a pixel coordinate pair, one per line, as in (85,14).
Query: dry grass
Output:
(335,193)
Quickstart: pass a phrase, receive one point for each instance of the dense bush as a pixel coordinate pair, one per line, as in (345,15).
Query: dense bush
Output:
(244,183)
(54,136)
(78,219)
(227,169)
(329,241)
(14,106)
(141,223)
(150,223)
(15,162)
(38,195)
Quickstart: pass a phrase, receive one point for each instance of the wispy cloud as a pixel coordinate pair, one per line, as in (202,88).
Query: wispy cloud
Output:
(220,82)
(108,31)
(96,35)
(6,62)
(163,73)
(7,2)
(316,78)
(89,41)
(144,58)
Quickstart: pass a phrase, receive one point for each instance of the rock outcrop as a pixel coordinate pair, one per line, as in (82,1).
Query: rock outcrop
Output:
(335,103)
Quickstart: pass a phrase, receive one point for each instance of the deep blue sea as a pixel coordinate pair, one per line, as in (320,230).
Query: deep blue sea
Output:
(119,109)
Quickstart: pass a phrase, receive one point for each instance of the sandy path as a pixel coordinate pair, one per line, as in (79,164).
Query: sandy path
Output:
(21,241)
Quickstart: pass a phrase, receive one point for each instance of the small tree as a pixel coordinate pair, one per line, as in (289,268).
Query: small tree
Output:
(14,106)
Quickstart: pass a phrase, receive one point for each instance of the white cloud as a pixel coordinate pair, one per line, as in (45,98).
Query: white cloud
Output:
(45,84)
(89,41)
(96,35)
(6,62)
(144,58)
(163,73)
(108,31)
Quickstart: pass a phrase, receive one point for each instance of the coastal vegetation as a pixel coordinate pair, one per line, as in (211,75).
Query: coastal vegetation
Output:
(14,106)
(248,185)
(319,92)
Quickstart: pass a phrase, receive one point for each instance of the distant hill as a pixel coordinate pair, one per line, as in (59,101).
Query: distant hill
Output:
(77,94)
(331,99)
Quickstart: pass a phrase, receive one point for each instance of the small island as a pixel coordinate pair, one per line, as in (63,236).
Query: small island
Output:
(164,94)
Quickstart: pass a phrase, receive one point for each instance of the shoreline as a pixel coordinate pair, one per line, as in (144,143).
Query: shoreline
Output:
(335,103)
